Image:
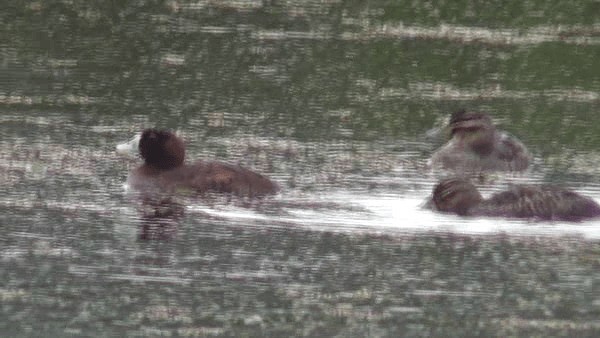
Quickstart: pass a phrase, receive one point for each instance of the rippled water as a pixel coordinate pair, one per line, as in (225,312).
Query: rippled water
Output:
(337,102)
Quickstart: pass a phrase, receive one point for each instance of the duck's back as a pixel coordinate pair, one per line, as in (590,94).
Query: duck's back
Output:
(223,177)
(506,153)
(549,203)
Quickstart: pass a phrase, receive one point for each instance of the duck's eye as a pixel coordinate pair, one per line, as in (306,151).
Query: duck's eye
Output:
(448,193)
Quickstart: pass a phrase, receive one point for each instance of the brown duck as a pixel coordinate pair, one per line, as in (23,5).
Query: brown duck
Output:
(163,153)
(476,145)
(459,196)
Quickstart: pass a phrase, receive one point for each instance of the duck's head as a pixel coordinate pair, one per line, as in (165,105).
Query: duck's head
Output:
(476,130)
(160,149)
(455,195)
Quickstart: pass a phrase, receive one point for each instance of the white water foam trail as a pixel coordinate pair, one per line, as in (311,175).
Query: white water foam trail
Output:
(392,214)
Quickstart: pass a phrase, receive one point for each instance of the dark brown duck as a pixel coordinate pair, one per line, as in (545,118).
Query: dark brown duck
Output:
(164,168)
(459,196)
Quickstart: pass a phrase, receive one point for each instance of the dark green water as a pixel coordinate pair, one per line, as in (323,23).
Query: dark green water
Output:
(332,99)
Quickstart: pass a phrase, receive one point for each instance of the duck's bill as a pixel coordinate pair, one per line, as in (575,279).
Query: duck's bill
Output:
(130,148)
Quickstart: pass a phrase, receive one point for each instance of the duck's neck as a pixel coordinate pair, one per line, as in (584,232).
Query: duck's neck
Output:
(152,170)
(480,141)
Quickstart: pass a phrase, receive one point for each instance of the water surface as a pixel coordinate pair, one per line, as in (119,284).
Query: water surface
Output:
(335,100)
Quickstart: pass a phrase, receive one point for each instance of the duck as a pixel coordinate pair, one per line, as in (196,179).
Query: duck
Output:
(476,146)
(544,202)
(164,168)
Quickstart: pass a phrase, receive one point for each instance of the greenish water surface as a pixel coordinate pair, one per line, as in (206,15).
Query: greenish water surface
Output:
(335,100)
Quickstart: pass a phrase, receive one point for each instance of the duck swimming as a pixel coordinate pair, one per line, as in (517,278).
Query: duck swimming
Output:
(476,145)
(163,153)
(459,196)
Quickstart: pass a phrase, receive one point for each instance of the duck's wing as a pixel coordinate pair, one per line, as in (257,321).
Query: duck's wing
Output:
(450,156)
(512,151)
(224,177)
(543,202)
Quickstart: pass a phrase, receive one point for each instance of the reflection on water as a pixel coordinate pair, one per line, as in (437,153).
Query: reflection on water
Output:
(332,99)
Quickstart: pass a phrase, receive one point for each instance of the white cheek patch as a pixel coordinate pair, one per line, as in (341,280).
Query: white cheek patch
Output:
(130,148)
